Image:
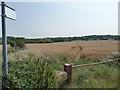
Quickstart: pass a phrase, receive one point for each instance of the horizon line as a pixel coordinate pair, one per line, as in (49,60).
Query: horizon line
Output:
(62,36)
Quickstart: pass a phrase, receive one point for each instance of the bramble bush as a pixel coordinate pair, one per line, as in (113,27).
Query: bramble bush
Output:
(30,73)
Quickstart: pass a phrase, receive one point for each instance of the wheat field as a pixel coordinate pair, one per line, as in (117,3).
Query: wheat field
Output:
(87,49)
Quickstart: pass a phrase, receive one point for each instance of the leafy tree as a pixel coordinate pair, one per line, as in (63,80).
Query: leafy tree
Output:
(16,42)
(12,43)
(20,44)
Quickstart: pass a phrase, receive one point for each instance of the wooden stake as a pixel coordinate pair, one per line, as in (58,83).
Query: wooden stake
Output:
(68,70)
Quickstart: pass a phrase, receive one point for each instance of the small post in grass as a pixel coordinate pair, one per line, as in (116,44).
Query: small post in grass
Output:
(68,70)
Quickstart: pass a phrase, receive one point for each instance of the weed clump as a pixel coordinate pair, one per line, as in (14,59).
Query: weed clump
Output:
(29,73)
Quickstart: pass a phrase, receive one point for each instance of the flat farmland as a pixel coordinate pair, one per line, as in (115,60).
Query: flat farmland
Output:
(75,49)
(97,76)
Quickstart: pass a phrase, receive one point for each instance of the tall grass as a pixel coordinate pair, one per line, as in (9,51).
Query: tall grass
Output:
(29,72)
(97,76)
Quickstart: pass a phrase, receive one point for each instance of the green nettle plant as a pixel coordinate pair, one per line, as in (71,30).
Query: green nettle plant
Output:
(29,74)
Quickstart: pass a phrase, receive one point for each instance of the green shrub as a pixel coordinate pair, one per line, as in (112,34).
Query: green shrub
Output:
(20,44)
(12,43)
(16,42)
(30,74)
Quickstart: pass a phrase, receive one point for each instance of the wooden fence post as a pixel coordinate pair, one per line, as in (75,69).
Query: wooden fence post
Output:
(68,70)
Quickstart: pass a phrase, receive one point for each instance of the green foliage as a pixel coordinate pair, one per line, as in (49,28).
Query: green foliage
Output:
(16,42)
(100,76)
(96,76)
(64,39)
(9,39)
(12,43)
(30,73)
(20,44)
(67,39)
(40,40)
(57,62)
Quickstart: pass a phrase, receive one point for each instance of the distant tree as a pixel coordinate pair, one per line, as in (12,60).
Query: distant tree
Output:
(12,43)
(16,42)
(20,44)
(66,39)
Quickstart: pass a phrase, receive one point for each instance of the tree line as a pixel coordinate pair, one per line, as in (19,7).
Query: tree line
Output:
(20,41)
(67,39)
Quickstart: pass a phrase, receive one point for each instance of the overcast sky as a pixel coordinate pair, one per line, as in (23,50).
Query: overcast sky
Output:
(54,19)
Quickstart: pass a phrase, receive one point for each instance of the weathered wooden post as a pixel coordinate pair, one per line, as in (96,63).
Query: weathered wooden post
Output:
(68,70)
